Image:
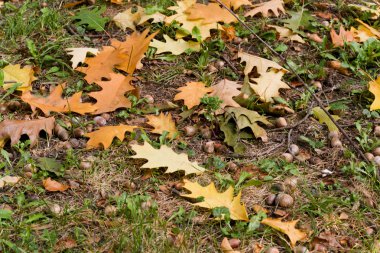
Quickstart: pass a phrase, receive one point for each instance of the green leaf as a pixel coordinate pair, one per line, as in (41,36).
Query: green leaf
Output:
(92,19)
(5,214)
(51,165)
(324,119)
(300,18)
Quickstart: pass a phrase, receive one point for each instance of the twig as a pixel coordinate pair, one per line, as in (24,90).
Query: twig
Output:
(307,87)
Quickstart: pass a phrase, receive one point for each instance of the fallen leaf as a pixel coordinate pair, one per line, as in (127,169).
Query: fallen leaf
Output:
(275,6)
(128,18)
(155,17)
(324,119)
(162,123)
(344,36)
(261,64)
(165,157)
(24,76)
(370,28)
(337,65)
(55,103)
(287,35)
(286,227)
(209,13)
(54,186)
(375,12)
(374,88)
(228,33)
(192,93)
(268,84)
(14,129)
(79,54)
(314,37)
(225,247)
(64,244)
(176,47)
(8,180)
(226,90)
(112,95)
(235,4)
(362,34)
(212,199)
(105,135)
(297,20)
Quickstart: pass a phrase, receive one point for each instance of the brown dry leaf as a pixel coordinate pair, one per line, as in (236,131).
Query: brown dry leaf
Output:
(287,35)
(165,157)
(13,129)
(344,36)
(212,199)
(55,103)
(226,90)
(24,76)
(105,135)
(225,247)
(65,243)
(8,180)
(192,93)
(268,85)
(257,247)
(374,88)
(314,37)
(337,65)
(275,6)
(133,50)
(54,186)
(209,14)
(228,33)
(261,64)
(162,123)
(71,5)
(286,227)
(112,95)
(176,47)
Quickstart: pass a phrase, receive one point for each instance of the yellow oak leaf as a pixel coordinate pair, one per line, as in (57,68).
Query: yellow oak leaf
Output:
(55,103)
(165,157)
(370,28)
(176,47)
(286,227)
(338,40)
(155,17)
(105,135)
(286,34)
(225,90)
(235,4)
(268,84)
(362,34)
(324,119)
(24,76)
(112,95)
(261,64)
(128,18)
(275,6)
(192,93)
(209,13)
(162,123)
(374,87)
(212,199)
(79,54)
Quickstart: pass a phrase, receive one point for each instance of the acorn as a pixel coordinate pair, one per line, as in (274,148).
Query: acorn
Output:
(234,243)
(100,121)
(85,165)
(13,106)
(149,99)
(281,122)
(334,134)
(291,182)
(270,199)
(190,131)
(294,149)
(110,210)
(287,157)
(376,131)
(317,85)
(369,156)
(61,132)
(146,205)
(3,108)
(376,160)
(89,128)
(300,249)
(272,250)
(78,132)
(211,68)
(325,23)
(284,200)
(376,151)
(205,132)
(106,116)
(231,166)
(55,208)
(74,143)
(219,64)
(209,147)
(336,143)
(237,40)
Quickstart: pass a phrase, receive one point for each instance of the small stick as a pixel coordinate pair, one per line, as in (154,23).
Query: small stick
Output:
(307,87)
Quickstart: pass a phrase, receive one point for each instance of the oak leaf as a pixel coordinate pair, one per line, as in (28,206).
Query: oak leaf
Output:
(54,186)
(374,87)
(324,119)
(268,84)
(128,18)
(226,90)
(176,47)
(362,34)
(370,28)
(286,34)
(192,93)
(275,6)
(165,157)
(344,36)
(375,12)
(79,54)
(235,4)
(14,129)
(226,247)
(261,64)
(8,180)
(286,227)
(213,199)
(105,135)
(112,95)
(210,13)
(24,76)
(55,103)
(162,123)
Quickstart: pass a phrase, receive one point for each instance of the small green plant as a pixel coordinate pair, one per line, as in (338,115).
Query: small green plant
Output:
(364,139)
(211,105)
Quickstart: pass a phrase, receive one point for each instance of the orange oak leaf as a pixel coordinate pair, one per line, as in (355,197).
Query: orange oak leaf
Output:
(54,186)
(102,65)
(275,6)
(226,90)
(162,123)
(133,50)
(228,33)
(344,36)
(210,13)
(13,129)
(112,95)
(286,227)
(374,88)
(105,135)
(55,103)
(235,4)
(192,93)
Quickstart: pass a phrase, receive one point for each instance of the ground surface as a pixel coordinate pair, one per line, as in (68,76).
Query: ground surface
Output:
(115,206)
